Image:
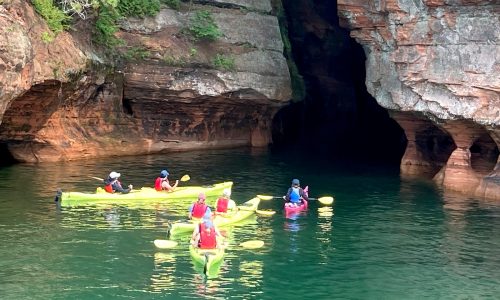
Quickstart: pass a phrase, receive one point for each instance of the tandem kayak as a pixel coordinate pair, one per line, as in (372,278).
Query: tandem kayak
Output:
(244,211)
(209,259)
(145,195)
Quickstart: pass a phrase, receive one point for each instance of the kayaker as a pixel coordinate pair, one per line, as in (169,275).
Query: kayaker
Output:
(225,204)
(206,235)
(199,208)
(162,183)
(295,194)
(113,185)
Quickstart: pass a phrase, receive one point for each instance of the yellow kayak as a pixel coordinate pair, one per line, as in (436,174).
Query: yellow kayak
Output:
(145,195)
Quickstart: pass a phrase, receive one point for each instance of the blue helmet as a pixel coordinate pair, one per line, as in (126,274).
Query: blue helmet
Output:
(295,182)
(163,173)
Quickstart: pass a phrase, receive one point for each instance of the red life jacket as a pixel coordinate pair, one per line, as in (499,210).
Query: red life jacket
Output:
(198,210)
(207,237)
(158,184)
(108,188)
(222,204)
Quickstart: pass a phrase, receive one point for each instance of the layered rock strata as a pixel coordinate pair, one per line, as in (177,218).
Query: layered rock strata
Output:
(168,94)
(435,64)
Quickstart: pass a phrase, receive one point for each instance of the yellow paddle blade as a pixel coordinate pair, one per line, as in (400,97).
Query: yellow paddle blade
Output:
(185,177)
(265,212)
(326,200)
(165,244)
(264,197)
(252,244)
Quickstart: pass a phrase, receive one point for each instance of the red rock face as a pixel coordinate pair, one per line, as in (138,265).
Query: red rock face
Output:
(57,103)
(435,65)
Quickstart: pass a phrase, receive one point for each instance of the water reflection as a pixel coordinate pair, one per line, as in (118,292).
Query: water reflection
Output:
(252,273)
(163,278)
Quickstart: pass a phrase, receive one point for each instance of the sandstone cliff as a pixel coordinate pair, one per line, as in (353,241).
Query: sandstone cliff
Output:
(435,64)
(62,100)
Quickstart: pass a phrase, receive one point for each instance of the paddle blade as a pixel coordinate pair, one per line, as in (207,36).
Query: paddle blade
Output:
(252,244)
(265,212)
(326,200)
(264,197)
(185,178)
(165,244)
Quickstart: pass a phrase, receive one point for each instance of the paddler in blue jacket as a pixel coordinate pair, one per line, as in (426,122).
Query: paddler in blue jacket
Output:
(295,194)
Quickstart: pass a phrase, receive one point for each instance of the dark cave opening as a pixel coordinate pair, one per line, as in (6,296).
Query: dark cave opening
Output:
(338,117)
(6,157)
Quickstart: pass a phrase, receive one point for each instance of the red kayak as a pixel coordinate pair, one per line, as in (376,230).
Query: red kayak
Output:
(292,208)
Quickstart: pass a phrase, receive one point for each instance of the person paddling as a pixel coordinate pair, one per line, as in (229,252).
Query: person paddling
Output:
(206,235)
(199,208)
(112,185)
(295,194)
(162,183)
(225,204)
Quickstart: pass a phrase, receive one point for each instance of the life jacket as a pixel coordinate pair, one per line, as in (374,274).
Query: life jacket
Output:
(295,195)
(198,210)
(158,182)
(207,237)
(222,204)
(108,188)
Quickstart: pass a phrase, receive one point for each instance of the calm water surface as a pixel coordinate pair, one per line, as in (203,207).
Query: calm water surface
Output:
(383,238)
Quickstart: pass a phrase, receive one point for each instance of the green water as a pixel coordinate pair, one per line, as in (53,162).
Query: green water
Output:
(383,238)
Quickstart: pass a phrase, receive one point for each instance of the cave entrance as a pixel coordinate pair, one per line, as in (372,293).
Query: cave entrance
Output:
(336,115)
(484,154)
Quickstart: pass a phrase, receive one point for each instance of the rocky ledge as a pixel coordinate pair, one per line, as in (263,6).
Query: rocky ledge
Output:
(61,100)
(435,65)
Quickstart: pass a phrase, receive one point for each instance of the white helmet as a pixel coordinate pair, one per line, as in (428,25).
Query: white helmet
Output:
(114,175)
(226,193)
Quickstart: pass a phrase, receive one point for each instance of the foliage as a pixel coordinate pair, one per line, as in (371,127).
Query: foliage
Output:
(136,53)
(223,62)
(106,27)
(47,37)
(193,52)
(81,7)
(138,8)
(202,26)
(174,4)
(172,61)
(56,19)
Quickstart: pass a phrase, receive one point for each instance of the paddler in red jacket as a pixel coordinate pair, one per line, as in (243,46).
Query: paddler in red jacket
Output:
(224,204)
(199,208)
(206,235)
(162,183)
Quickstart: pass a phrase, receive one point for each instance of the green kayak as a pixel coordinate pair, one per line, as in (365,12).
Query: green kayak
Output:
(145,195)
(244,211)
(208,259)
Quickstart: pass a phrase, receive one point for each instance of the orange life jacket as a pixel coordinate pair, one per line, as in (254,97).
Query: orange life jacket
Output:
(108,188)
(208,238)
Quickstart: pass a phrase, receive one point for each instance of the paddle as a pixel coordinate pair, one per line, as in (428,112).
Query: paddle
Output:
(327,200)
(265,212)
(165,244)
(254,244)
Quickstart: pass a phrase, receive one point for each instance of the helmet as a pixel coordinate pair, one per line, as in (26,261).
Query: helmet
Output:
(114,175)
(164,173)
(295,182)
(201,196)
(226,193)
